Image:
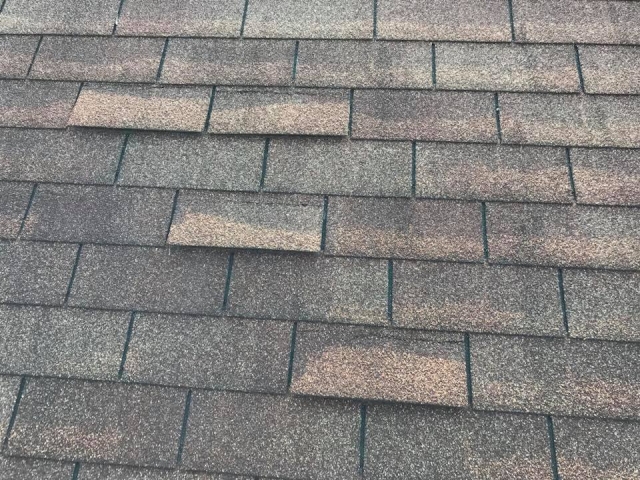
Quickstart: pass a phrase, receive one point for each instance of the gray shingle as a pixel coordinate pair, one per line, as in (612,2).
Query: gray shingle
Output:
(249,434)
(342,167)
(95,421)
(610,69)
(111,472)
(27,469)
(415,443)
(8,393)
(35,272)
(61,342)
(228,62)
(36,104)
(158,279)
(16,53)
(298,287)
(14,198)
(452,296)
(168,160)
(209,352)
(101,59)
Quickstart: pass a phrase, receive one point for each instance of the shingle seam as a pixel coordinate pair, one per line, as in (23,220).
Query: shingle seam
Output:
(72,278)
(496,104)
(362,438)
(434,78)
(2,5)
(174,206)
(552,448)
(23,221)
(14,412)
(227,282)
(127,341)
(563,302)
(572,183)
(579,67)
(414,155)
(163,57)
(296,53)
(292,354)
(265,160)
(35,54)
(76,471)
(183,430)
(351,107)
(512,25)
(485,234)
(207,120)
(243,22)
(323,230)
(467,363)
(117,20)
(375,19)
(123,150)
(390,292)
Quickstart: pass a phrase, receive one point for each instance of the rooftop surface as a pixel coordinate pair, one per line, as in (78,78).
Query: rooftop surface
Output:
(320,239)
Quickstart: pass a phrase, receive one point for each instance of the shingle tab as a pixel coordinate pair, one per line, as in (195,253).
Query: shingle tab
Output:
(379,364)
(35,272)
(424,115)
(603,304)
(247,434)
(59,156)
(335,63)
(248,220)
(27,469)
(564,235)
(94,421)
(444,20)
(405,228)
(139,278)
(558,376)
(74,213)
(14,198)
(111,472)
(280,111)
(175,18)
(142,107)
(61,342)
(16,54)
(209,353)
(109,59)
(228,62)
(453,296)
(415,443)
(300,287)
(8,393)
(606,176)
(208,162)
(562,119)
(593,449)
(610,69)
(342,167)
(88,17)
(492,172)
(310,19)
(36,104)
(512,67)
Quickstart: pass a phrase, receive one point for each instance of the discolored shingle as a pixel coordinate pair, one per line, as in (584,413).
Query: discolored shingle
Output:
(610,69)
(14,198)
(112,472)
(27,469)
(9,387)
(16,54)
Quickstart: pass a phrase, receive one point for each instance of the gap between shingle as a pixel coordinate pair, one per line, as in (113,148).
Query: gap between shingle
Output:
(127,341)
(2,5)
(362,437)
(73,275)
(375,19)
(14,411)
(325,215)
(496,105)
(467,364)
(390,291)
(579,67)
(511,22)
(572,183)
(351,94)
(414,148)
(121,158)
(26,212)
(294,71)
(485,236)
(552,448)
(265,159)
(174,206)
(115,24)
(433,66)
(76,471)
(563,303)
(162,59)
(183,431)
(227,283)
(35,54)
(207,121)
(244,18)
(292,354)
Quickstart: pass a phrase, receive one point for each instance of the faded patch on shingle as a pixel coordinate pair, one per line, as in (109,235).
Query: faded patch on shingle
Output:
(111,472)
(8,393)
(16,53)
(27,469)
(14,198)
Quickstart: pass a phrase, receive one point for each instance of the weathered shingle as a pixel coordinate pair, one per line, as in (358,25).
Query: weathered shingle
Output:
(8,393)
(248,434)
(16,54)
(14,198)
(112,472)
(404,228)
(27,469)
(567,377)
(248,220)
(209,352)
(71,420)
(380,364)
(301,287)
(453,296)
(609,69)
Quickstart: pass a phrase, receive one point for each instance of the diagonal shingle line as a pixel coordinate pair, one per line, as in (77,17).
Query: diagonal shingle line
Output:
(117,20)
(127,342)
(14,413)
(572,183)
(163,57)
(579,68)
(390,292)
(123,150)
(183,430)
(511,21)
(434,78)
(265,161)
(76,471)
(325,216)
(563,302)
(292,353)
(72,277)
(296,53)
(244,18)
(375,19)
(27,210)
(227,282)
(552,447)
(35,54)
(467,362)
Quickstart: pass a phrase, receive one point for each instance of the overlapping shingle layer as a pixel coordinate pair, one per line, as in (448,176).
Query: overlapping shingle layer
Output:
(322,239)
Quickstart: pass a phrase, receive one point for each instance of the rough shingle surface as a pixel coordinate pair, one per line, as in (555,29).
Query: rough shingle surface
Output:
(14,198)
(110,472)
(8,393)
(16,54)
(25,469)
(609,69)
(247,434)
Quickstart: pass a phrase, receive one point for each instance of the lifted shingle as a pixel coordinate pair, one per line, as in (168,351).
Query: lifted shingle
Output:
(14,198)
(16,53)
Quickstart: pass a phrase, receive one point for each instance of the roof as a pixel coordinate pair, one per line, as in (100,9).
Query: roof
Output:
(320,239)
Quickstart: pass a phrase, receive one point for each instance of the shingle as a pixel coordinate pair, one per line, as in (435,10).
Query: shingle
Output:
(16,53)
(603,304)
(174,18)
(35,272)
(453,296)
(28,469)
(272,436)
(248,220)
(424,115)
(595,449)
(300,287)
(208,352)
(577,21)
(14,198)
(606,176)
(103,214)
(95,421)
(61,342)
(404,228)
(564,235)
(558,376)
(180,161)
(492,172)
(581,120)
(8,393)
(417,443)
(477,66)
(379,364)
(310,19)
(341,167)
(444,20)
(36,104)
(101,59)
(228,62)
(111,472)
(88,17)
(143,107)
(59,156)
(336,63)
(610,69)
(280,111)
(138,278)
